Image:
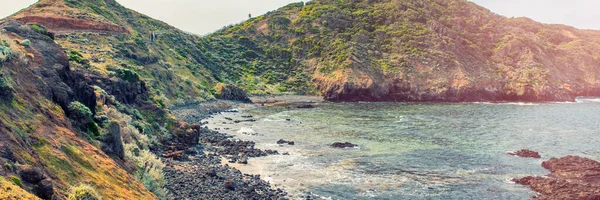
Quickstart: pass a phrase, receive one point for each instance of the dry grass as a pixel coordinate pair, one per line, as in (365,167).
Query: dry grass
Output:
(9,191)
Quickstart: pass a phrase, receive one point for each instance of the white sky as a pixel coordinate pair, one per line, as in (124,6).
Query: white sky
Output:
(205,16)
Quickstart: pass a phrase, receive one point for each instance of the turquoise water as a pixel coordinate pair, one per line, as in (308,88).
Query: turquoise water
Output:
(429,150)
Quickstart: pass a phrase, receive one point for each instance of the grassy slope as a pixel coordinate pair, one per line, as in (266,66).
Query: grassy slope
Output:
(35,131)
(424,50)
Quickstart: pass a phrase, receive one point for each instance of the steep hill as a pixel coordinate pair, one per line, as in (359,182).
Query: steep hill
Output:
(84,92)
(422,50)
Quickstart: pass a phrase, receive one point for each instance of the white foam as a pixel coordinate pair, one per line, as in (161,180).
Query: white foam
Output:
(246,130)
(587,100)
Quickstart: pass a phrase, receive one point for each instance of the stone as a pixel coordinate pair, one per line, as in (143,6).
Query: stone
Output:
(571,177)
(307,106)
(112,143)
(285,142)
(31,174)
(525,153)
(343,145)
(44,189)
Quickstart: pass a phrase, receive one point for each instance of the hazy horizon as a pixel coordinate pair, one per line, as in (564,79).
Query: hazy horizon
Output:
(193,16)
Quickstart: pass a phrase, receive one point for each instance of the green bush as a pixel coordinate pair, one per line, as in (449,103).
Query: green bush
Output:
(128,75)
(84,192)
(5,53)
(16,181)
(75,56)
(6,89)
(79,111)
(82,118)
(25,43)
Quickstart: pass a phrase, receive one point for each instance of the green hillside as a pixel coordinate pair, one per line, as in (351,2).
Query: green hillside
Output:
(429,50)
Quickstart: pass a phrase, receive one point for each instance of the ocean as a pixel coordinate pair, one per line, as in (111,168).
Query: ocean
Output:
(413,150)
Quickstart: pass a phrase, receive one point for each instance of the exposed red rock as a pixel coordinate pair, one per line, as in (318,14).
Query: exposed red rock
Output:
(572,177)
(61,24)
(525,153)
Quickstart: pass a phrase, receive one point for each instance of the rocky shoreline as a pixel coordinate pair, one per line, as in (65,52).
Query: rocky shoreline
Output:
(194,161)
(210,168)
(571,177)
(199,162)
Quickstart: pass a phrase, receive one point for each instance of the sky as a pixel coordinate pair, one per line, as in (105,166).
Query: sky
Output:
(206,16)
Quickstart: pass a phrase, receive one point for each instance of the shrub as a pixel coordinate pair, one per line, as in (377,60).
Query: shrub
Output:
(16,181)
(5,53)
(128,75)
(6,89)
(79,112)
(84,192)
(75,56)
(150,168)
(25,43)
(82,117)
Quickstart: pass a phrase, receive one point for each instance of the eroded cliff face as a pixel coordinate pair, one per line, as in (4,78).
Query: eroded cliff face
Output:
(433,50)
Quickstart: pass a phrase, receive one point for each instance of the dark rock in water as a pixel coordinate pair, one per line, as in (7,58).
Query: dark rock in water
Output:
(44,189)
(307,106)
(247,120)
(343,145)
(285,142)
(571,177)
(525,153)
(227,118)
(31,174)
(288,120)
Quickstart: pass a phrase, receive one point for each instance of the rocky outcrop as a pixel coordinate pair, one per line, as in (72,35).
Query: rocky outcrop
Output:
(230,92)
(42,185)
(571,177)
(112,143)
(525,153)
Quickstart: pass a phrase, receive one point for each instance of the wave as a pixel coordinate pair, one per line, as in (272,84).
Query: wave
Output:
(508,103)
(587,99)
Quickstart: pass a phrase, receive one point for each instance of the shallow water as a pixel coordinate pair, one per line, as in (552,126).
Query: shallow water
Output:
(416,150)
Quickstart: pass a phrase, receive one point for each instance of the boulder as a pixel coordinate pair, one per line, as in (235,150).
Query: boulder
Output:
(307,106)
(285,142)
(31,174)
(44,189)
(571,177)
(230,92)
(112,143)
